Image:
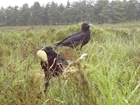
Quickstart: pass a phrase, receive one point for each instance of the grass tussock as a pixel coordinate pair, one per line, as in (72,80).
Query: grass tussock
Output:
(109,75)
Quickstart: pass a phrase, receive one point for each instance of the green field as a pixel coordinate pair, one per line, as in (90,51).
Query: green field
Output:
(110,75)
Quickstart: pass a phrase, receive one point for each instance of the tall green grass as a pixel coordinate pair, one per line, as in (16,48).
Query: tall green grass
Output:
(110,75)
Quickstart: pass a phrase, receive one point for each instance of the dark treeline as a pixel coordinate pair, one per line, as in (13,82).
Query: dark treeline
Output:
(101,11)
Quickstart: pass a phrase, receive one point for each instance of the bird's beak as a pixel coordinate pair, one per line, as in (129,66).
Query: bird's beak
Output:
(89,25)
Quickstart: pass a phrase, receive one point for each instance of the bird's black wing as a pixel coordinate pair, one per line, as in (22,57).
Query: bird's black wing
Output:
(73,39)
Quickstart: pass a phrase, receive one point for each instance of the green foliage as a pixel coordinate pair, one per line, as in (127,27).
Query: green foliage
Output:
(95,11)
(109,76)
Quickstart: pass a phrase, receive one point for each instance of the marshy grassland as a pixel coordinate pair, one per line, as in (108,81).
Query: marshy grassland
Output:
(110,75)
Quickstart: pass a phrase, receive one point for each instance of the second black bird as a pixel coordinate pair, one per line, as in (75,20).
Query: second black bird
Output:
(80,38)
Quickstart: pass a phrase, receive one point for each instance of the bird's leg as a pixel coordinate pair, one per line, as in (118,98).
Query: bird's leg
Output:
(47,79)
(46,86)
(47,74)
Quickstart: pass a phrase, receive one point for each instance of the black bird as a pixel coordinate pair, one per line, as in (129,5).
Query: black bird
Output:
(52,63)
(55,63)
(82,37)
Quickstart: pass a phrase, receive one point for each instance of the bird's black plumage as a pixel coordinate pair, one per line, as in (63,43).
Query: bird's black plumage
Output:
(53,66)
(55,62)
(82,37)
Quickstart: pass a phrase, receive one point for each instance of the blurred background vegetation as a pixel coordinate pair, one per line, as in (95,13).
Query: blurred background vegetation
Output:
(94,11)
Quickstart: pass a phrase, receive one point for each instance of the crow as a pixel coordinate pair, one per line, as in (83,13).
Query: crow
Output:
(52,63)
(82,37)
(55,63)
